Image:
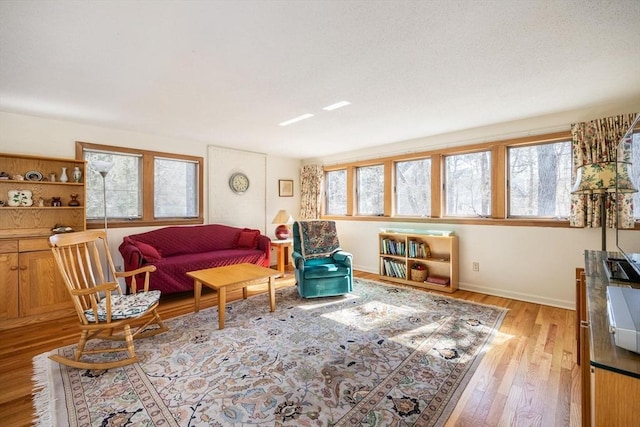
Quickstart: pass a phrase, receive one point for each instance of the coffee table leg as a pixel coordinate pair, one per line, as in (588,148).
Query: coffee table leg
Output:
(197,290)
(272,293)
(222,299)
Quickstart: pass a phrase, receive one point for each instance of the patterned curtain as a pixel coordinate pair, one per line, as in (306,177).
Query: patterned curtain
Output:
(594,142)
(311,181)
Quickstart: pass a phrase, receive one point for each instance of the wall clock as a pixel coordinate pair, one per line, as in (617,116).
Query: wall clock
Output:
(239,183)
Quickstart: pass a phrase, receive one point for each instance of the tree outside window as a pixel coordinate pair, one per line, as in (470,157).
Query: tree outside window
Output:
(635,173)
(336,192)
(122,186)
(540,180)
(370,188)
(413,187)
(468,184)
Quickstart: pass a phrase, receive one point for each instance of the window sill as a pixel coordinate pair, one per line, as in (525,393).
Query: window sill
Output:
(453,220)
(99,224)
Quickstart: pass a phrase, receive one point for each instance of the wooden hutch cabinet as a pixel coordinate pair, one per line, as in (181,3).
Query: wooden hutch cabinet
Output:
(31,288)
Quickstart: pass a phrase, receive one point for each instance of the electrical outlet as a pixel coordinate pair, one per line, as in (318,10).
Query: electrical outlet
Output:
(476,266)
(119,268)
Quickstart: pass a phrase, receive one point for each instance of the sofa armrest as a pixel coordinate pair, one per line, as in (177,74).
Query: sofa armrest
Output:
(131,255)
(343,257)
(264,244)
(298,260)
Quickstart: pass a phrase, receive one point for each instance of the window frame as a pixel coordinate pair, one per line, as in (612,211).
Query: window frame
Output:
(147,189)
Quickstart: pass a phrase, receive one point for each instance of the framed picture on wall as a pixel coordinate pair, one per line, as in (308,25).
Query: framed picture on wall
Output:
(285,187)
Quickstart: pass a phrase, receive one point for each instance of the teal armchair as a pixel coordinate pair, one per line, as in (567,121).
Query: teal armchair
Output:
(322,268)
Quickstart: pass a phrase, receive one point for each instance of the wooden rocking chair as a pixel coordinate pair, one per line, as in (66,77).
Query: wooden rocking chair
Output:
(99,302)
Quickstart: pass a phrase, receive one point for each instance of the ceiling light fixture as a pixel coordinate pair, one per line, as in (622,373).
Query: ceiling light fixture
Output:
(296,119)
(336,105)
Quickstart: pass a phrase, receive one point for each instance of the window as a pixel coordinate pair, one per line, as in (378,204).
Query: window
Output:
(635,173)
(413,187)
(336,192)
(121,184)
(370,190)
(142,187)
(175,188)
(540,180)
(468,184)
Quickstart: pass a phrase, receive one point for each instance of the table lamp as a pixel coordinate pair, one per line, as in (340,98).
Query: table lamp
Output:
(283,218)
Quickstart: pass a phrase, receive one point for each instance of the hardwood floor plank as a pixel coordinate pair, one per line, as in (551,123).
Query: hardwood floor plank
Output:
(528,377)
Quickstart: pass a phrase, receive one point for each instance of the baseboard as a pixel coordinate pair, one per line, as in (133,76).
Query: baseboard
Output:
(504,293)
(520,296)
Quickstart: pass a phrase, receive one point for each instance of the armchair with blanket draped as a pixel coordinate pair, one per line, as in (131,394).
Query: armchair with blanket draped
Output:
(322,268)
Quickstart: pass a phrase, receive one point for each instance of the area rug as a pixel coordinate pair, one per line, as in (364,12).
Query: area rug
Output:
(381,356)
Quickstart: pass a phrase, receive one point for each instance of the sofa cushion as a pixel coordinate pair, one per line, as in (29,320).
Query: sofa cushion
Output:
(247,239)
(149,253)
(322,271)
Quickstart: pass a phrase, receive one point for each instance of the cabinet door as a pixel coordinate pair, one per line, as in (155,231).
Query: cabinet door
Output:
(42,289)
(584,349)
(8,286)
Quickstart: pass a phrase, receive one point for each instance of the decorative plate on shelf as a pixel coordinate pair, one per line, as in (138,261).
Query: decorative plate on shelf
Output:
(33,176)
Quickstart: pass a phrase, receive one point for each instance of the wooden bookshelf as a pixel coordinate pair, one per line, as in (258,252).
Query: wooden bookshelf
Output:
(436,251)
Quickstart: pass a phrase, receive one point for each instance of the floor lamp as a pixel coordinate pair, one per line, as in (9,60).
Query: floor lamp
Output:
(600,178)
(103,168)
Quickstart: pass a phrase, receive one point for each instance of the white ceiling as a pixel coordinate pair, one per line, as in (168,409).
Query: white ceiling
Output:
(228,72)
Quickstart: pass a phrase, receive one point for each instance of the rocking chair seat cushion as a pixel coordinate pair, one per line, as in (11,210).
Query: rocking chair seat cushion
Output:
(124,306)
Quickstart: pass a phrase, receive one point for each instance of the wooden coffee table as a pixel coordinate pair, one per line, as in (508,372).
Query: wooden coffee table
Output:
(230,278)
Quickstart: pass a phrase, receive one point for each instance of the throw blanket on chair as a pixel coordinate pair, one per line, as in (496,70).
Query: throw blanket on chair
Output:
(318,238)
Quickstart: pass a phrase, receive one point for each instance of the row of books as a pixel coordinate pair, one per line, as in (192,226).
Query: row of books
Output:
(418,249)
(415,248)
(393,268)
(392,247)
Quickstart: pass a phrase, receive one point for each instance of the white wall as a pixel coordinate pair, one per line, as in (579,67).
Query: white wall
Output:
(227,207)
(55,138)
(535,264)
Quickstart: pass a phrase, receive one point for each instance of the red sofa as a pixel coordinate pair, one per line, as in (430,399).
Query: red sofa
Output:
(176,250)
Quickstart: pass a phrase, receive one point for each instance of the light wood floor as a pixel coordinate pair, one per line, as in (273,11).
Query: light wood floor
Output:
(528,378)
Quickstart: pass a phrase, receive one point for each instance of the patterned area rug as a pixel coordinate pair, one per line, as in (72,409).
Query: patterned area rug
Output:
(381,356)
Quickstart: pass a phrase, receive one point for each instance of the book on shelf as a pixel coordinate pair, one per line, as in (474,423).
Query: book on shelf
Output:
(438,280)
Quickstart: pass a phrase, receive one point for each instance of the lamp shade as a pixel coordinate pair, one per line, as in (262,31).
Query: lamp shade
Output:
(282,230)
(101,166)
(601,178)
(282,217)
